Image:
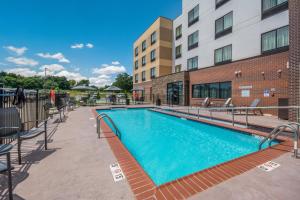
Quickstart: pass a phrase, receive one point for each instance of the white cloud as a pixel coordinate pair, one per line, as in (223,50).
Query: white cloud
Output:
(22,61)
(51,69)
(71,75)
(77,46)
(89,45)
(101,80)
(18,51)
(115,63)
(109,70)
(22,71)
(58,56)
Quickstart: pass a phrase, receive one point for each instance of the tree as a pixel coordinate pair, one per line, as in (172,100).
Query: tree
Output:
(124,82)
(72,83)
(84,82)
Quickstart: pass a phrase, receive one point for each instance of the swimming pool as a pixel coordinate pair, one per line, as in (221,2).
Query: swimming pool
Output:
(169,147)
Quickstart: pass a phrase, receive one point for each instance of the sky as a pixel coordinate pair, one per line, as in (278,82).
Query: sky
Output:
(79,39)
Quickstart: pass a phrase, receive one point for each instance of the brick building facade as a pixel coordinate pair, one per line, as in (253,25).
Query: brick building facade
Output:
(294,57)
(264,77)
(160,88)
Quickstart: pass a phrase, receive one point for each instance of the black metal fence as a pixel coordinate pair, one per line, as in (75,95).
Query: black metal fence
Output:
(32,110)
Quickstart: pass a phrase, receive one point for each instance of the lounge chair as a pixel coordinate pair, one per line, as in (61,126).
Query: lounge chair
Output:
(15,128)
(253,106)
(227,103)
(5,167)
(206,102)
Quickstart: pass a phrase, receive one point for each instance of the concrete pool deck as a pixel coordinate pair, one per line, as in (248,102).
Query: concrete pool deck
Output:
(76,166)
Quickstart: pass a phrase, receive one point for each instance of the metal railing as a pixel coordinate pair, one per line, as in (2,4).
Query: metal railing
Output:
(234,111)
(294,127)
(102,116)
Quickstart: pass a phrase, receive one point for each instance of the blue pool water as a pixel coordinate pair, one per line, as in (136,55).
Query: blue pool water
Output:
(169,148)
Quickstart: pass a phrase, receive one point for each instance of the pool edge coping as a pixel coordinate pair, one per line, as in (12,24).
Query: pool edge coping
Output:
(143,187)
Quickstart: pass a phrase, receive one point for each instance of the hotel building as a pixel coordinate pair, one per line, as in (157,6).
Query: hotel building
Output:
(232,49)
(152,57)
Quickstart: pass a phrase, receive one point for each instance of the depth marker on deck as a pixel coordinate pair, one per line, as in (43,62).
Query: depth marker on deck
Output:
(117,172)
(269,166)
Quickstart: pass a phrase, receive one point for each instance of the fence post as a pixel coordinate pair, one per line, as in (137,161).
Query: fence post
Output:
(37,109)
(232,111)
(1,93)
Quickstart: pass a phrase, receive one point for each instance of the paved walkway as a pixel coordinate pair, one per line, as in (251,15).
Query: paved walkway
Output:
(76,166)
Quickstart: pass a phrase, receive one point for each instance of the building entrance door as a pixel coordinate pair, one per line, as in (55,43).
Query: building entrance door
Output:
(174,93)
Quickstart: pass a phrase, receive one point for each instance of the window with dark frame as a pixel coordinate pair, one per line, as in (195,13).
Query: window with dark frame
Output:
(178,32)
(193,40)
(178,51)
(153,55)
(272,7)
(153,72)
(143,75)
(220,3)
(153,38)
(143,60)
(144,45)
(223,25)
(193,16)
(136,64)
(223,55)
(192,63)
(275,41)
(177,68)
(136,51)
(219,90)
(136,78)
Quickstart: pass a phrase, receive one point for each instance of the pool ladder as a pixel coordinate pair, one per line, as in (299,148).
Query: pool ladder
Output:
(102,116)
(293,126)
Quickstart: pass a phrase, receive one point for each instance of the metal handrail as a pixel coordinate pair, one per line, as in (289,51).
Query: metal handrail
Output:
(102,116)
(278,130)
(230,109)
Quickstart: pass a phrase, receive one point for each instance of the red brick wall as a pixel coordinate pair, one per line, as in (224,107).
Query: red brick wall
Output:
(251,75)
(294,78)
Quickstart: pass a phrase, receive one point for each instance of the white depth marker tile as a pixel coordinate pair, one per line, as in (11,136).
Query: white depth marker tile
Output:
(269,166)
(117,172)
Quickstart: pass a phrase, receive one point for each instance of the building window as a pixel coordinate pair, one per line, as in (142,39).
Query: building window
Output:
(272,7)
(144,45)
(275,41)
(153,72)
(143,75)
(223,25)
(153,38)
(178,32)
(193,16)
(178,51)
(136,64)
(143,60)
(219,3)
(177,68)
(136,78)
(153,55)
(136,51)
(212,90)
(192,63)
(193,40)
(223,55)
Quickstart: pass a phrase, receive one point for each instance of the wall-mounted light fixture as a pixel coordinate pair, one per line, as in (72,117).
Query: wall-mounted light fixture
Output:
(238,73)
(279,72)
(263,74)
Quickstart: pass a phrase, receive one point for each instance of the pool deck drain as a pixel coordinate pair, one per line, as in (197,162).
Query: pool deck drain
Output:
(183,188)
